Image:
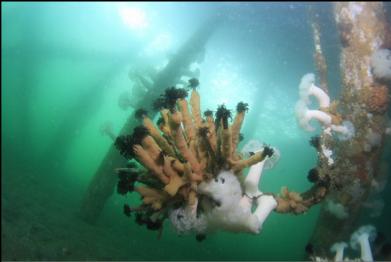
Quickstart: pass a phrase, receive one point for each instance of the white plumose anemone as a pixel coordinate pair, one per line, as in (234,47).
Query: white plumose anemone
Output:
(338,249)
(304,115)
(345,131)
(362,237)
(307,88)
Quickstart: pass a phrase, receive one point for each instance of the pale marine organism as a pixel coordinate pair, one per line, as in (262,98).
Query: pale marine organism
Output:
(338,249)
(362,237)
(304,114)
(227,206)
(381,64)
(337,209)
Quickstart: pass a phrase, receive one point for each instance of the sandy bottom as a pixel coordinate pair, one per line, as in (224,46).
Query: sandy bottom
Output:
(40,221)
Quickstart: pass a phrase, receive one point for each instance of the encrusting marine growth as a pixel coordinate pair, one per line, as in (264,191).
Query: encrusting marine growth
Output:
(192,173)
(188,170)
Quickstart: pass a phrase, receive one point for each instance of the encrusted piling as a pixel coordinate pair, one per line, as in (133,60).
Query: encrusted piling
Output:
(364,102)
(319,58)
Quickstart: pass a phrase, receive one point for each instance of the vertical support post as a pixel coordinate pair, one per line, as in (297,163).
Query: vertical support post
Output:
(364,102)
(320,61)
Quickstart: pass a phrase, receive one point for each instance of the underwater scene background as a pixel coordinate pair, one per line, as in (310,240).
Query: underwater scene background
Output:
(70,69)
